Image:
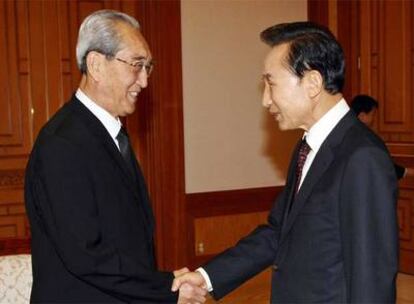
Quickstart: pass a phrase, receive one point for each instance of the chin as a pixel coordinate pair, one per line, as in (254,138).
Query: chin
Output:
(129,110)
(282,126)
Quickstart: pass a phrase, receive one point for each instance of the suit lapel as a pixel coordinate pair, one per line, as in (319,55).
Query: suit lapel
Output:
(290,186)
(144,196)
(99,131)
(320,164)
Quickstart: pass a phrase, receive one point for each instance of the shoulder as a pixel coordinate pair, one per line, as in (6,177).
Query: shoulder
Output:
(62,135)
(360,141)
(64,126)
(366,159)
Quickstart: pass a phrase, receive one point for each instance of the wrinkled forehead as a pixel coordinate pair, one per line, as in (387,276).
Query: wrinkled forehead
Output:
(133,42)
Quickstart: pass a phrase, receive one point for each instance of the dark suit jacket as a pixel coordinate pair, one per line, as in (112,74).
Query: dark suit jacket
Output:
(91,220)
(339,243)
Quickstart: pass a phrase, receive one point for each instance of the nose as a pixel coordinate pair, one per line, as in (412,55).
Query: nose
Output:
(142,79)
(266,99)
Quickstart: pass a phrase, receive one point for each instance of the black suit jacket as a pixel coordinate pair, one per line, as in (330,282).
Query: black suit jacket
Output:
(339,243)
(91,219)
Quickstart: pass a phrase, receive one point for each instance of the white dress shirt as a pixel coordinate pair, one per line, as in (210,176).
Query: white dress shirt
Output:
(111,124)
(320,131)
(314,137)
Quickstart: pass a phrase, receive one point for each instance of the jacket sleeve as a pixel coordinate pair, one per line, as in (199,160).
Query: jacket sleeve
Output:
(251,255)
(369,230)
(67,211)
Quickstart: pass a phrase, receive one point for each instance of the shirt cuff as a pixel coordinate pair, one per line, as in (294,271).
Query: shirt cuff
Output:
(206,278)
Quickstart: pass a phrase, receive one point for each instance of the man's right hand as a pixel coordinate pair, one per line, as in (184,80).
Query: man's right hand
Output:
(191,294)
(192,288)
(194,278)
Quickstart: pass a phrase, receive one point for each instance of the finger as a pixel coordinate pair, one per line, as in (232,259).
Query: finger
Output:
(194,293)
(181,271)
(176,284)
(198,299)
(199,291)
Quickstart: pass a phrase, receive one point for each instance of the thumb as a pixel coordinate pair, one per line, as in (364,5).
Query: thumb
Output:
(176,284)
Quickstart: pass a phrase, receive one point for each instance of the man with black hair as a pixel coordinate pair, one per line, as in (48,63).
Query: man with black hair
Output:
(332,234)
(365,108)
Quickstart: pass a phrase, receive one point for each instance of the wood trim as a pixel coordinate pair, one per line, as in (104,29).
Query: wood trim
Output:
(11,178)
(405,262)
(14,246)
(318,11)
(348,37)
(156,128)
(229,202)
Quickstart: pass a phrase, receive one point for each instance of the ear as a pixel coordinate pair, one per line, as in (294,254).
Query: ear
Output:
(95,65)
(313,83)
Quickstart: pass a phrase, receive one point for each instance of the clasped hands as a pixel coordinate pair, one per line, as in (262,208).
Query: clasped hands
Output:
(191,285)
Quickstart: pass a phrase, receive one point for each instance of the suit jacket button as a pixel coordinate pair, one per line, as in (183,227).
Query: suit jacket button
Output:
(275,268)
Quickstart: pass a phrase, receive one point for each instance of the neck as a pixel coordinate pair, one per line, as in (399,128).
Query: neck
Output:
(325,103)
(90,88)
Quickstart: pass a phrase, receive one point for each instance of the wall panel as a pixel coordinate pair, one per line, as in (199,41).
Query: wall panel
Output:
(14,128)
(216,220)
(386,65)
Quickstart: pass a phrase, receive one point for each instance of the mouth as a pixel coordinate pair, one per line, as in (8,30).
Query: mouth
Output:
(133,95)
(276,115)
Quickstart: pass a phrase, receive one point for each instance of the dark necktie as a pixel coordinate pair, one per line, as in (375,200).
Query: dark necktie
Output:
(303,154)
(125,148)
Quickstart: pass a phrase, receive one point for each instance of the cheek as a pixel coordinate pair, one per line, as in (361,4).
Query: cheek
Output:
(282,99)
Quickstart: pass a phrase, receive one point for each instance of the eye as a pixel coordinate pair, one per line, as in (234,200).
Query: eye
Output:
(141,65)
(138,64)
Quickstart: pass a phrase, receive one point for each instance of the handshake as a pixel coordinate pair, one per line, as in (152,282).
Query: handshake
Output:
(191,285)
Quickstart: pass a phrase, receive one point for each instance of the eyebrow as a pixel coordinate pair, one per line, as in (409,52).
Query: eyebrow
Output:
(139,58)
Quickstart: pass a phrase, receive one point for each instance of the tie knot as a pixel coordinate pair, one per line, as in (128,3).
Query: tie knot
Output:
(122,134)
(123,142)
(304,148)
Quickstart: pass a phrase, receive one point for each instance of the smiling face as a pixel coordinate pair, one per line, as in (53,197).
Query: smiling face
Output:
(119,82)
(285,95)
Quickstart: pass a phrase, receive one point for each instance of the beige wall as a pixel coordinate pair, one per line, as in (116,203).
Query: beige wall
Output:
(230,140)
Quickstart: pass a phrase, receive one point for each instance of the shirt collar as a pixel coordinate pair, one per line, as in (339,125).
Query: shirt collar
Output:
(111,124)
(321,129)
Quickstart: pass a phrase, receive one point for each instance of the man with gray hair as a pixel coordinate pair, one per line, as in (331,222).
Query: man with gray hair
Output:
(90,216)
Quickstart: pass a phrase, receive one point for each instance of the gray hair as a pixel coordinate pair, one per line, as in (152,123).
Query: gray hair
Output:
(98,33)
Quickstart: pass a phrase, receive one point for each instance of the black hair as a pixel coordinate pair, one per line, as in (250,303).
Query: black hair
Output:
(312,47)
(363,103)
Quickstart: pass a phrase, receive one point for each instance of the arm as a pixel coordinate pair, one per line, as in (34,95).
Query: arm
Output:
(249,256)
(66,204)
(220,276)
(368,224)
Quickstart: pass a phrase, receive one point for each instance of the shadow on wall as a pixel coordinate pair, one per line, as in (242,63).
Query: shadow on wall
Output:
(278,145)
